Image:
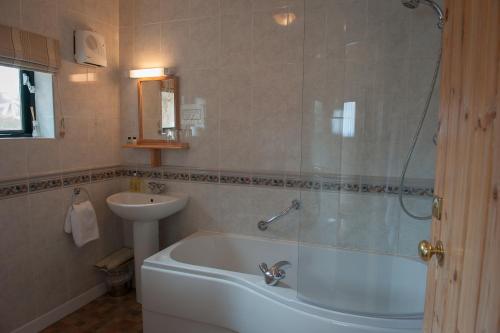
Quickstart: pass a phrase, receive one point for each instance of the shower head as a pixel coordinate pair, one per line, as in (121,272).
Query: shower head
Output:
(412,4)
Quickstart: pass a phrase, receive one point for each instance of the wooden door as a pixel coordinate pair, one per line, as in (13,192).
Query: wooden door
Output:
(463,295)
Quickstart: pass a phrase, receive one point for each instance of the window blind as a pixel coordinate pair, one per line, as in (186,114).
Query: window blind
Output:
(28,50)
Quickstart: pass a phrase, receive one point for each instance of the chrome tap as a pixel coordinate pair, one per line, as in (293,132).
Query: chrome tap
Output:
(157,188)
(274,274)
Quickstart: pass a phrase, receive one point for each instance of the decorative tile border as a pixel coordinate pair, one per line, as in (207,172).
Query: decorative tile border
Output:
(179,174)
(120,172)
(12,190)
(102,174)
(154,173)
(75,179)
(38,185)
(368,188)
(234,178)
(336,186)
(305,182)
(204,176)
(268,180)
(327,183)
(55,181)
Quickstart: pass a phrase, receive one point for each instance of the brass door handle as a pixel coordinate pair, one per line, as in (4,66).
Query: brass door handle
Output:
(426,250)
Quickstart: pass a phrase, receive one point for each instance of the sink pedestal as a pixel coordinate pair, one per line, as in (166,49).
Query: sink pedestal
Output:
(145,209)
(146,243)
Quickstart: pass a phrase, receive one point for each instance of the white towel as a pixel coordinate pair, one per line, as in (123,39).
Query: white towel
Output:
(81,221)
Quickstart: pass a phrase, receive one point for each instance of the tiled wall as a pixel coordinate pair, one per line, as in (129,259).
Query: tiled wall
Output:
(40,267)
(233,59)
(271,93)
(376,57)
(370,218)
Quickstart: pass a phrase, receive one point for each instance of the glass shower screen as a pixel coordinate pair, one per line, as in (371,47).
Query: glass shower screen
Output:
(367,69)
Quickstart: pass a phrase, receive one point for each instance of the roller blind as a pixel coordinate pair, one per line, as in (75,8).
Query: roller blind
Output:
(28,50)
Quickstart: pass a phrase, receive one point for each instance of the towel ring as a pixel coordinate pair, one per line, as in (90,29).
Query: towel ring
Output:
(76,193)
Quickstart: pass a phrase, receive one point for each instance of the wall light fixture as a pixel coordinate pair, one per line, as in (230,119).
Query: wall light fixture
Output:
(149,72)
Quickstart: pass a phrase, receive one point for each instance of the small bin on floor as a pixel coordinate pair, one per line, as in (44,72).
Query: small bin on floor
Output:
(118,274)
(119,280)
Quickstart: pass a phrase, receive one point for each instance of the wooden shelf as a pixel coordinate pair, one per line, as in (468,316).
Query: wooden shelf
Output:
(156,149)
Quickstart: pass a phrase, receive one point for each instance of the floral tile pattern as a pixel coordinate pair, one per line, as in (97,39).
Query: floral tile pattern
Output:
(153,173)
(298,182)
(100,175)
(268,180)
(331,186)
(204,176)
(235,178)
(120,172)
(176,174)
(309,182)
(305,182)
(369,188)
(44,184)
(10,190)
(54,182)
(75,179)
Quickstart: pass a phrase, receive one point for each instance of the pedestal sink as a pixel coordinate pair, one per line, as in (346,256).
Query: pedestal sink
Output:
(145,210)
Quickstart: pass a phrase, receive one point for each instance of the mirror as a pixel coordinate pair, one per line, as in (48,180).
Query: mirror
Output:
(158,109)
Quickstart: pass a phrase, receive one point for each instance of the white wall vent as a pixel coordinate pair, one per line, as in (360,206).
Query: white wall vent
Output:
(90,48)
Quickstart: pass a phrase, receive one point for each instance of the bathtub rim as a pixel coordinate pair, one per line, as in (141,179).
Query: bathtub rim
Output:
(288,296)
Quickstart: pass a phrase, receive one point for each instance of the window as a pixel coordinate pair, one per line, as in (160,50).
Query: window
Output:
(344,121)
(25,110)
(15,100)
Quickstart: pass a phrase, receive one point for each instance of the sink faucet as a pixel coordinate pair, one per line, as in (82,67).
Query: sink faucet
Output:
(274,274)
(157,188)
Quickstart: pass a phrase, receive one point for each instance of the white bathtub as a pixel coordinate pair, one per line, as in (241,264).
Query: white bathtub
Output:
(210,282)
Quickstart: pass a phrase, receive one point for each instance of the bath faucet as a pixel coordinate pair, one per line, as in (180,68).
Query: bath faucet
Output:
(274,274)
(157,188)
(262,225)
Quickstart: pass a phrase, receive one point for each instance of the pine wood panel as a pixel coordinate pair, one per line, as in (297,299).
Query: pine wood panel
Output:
(488,311)
(462,296)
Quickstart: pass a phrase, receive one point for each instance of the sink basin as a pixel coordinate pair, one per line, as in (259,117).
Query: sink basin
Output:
(145,210)
(140,207)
